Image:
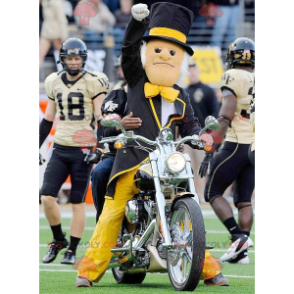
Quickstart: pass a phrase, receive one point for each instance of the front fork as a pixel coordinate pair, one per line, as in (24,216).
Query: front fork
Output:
(161,206)
(161,200)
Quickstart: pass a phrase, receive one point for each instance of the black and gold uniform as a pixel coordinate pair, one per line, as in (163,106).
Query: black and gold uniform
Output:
(72,93)
(74,131)
(231,163)
(251,152)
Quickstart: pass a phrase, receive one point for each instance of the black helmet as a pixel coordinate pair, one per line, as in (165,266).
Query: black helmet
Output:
(241,51)
(73,47)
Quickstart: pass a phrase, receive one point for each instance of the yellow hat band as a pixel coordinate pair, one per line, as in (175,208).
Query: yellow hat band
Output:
(170,33)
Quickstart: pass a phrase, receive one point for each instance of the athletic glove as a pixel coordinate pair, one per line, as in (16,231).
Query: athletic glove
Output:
(41,159)
(204,168)
(93,157)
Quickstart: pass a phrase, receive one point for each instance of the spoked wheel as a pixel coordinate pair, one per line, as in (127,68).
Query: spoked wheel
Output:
(126,278)
(185,261)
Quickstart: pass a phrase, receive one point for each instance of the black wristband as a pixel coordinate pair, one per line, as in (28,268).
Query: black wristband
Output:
(44,130)
(226,119)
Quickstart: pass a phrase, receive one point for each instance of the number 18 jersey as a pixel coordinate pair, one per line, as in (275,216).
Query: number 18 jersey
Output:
(74,104)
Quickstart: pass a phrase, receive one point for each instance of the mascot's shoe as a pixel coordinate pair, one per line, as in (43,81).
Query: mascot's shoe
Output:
(83,282)
(218,280)
(69,257)
(240,243)
(55,247)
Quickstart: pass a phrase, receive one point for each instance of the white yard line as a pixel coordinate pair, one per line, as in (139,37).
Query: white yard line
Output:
(56,270)
(208,213)
(213,250)
(108,271)
(53,264)
(242,277)
(92,229)
(225,250)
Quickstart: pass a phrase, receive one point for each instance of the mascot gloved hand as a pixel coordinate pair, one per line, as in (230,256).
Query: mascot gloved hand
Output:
(140,11)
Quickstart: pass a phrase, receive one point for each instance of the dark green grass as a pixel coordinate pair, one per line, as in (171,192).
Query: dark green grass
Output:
(63,282)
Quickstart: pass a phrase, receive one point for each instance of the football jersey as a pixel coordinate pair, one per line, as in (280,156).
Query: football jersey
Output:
(241,83)
(252,119)
(75,108)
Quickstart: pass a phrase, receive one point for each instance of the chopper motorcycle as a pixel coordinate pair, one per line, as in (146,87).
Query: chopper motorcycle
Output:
(163,229)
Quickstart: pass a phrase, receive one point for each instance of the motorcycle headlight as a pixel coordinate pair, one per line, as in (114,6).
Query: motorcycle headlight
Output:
(176,162)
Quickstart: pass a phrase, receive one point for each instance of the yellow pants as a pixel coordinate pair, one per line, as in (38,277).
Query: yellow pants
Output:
(98,255)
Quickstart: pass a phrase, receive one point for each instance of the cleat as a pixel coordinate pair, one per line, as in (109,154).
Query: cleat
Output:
(241,258)
(69,257)
(239,244)
(55,247)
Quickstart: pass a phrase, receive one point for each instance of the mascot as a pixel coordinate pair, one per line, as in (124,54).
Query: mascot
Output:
(151,72)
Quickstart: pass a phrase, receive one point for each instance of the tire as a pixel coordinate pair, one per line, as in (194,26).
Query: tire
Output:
(125,278)
(193,251)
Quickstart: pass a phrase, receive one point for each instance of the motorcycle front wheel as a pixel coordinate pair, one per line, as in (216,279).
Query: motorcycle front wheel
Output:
(185,261)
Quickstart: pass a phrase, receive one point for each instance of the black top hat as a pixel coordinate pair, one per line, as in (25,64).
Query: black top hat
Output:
(170,22)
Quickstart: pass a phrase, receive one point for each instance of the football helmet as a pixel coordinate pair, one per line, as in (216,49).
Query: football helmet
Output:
(73,47)
(242,52)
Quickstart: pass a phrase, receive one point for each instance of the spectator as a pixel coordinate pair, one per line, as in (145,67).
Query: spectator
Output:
(54,28)
(204,103)
(226,24)
(112,5)
(203,98)
(103,18)
(40,17)
(70,6)
(120,81)
(122,15)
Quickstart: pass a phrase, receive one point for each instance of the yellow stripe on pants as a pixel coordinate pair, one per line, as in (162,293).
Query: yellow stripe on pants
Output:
(98,255)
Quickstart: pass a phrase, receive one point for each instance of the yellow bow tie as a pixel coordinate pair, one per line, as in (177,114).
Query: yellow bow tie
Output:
(169,94)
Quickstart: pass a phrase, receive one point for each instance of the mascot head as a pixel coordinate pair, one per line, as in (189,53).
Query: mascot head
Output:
(166,43)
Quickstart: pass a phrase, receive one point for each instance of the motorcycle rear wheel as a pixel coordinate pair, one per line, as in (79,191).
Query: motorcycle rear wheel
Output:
(125,278)
(185,262)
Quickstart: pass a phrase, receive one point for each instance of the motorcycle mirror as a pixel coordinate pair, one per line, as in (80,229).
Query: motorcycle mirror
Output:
(210,123)
(166,134)
(111,120)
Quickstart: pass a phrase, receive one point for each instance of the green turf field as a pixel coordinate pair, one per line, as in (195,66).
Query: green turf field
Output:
(56,278)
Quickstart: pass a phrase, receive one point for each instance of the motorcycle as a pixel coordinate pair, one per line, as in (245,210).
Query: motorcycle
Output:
(163,229)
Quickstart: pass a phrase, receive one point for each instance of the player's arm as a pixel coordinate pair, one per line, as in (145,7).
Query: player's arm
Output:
(96,155)
(97,109)
(226,113)
(231,84)
(97,102)
(47,122)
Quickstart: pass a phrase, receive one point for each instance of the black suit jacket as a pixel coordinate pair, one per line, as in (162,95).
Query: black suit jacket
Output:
(149,110)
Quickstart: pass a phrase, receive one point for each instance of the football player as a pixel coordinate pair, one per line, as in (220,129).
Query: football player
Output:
(76,96)
(251,152)
(231,163)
